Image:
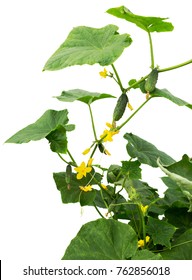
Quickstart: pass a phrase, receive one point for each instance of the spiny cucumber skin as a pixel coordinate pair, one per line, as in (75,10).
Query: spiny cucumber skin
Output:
(120,107)
(151,80)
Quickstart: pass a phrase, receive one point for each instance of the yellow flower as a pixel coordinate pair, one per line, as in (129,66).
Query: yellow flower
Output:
(130,106)
(141,241)
(108,133)
(144,209)
(82,170)
(103,73)
(86,151)
(104,186)
(86,188)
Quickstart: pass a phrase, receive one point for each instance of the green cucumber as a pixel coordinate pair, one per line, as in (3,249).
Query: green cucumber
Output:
(68,175)
(142,86)
(151,80)
(120,107)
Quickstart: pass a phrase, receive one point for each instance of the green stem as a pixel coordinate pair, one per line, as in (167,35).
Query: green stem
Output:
(92,122)
(98,210)
(175,66)
(151,50)
(63,159)
(160,70)
(70,155)
(136,111)
(143,225)
(118,78)
(137,83)
(95,148)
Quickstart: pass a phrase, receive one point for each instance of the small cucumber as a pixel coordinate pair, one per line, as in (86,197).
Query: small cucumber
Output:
(151,80)
(68,175)
(120,107)
(142,86)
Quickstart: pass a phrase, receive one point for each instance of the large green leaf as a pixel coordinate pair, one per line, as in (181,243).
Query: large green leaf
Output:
(87,45)
(82,95)
(160,231)
(174,197)
(71,193)
(180,218)
(103,240)
(51,125)
(131,169)
(149,24)
(166,94)
(181,248)
(146,152)
(180,172)
(146,255)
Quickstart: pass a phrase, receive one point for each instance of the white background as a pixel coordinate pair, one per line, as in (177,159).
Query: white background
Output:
(35,225)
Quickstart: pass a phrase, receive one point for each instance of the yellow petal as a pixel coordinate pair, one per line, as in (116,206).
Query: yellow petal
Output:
(141,243)
(79,176)
(109,125)
(90,161)
(86,151)
(103,73)
(147,238)
(144,208)
(104,186)
(130,106)
(86,188)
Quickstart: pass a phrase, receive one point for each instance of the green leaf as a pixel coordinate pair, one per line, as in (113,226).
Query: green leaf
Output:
(82,95)
(103,240)
(113,173)
(149,24)
(71,193)
(181,248)
(166,94)
(146,193)
(51,125)
(180,218)
(132,168)
(58,140)
(144,151)
(180,172)
(132,82)
(146,255)
(174,196)
(160,231)
(87,45)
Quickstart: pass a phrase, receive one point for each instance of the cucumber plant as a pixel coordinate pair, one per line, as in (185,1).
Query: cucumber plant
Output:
(154,227)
